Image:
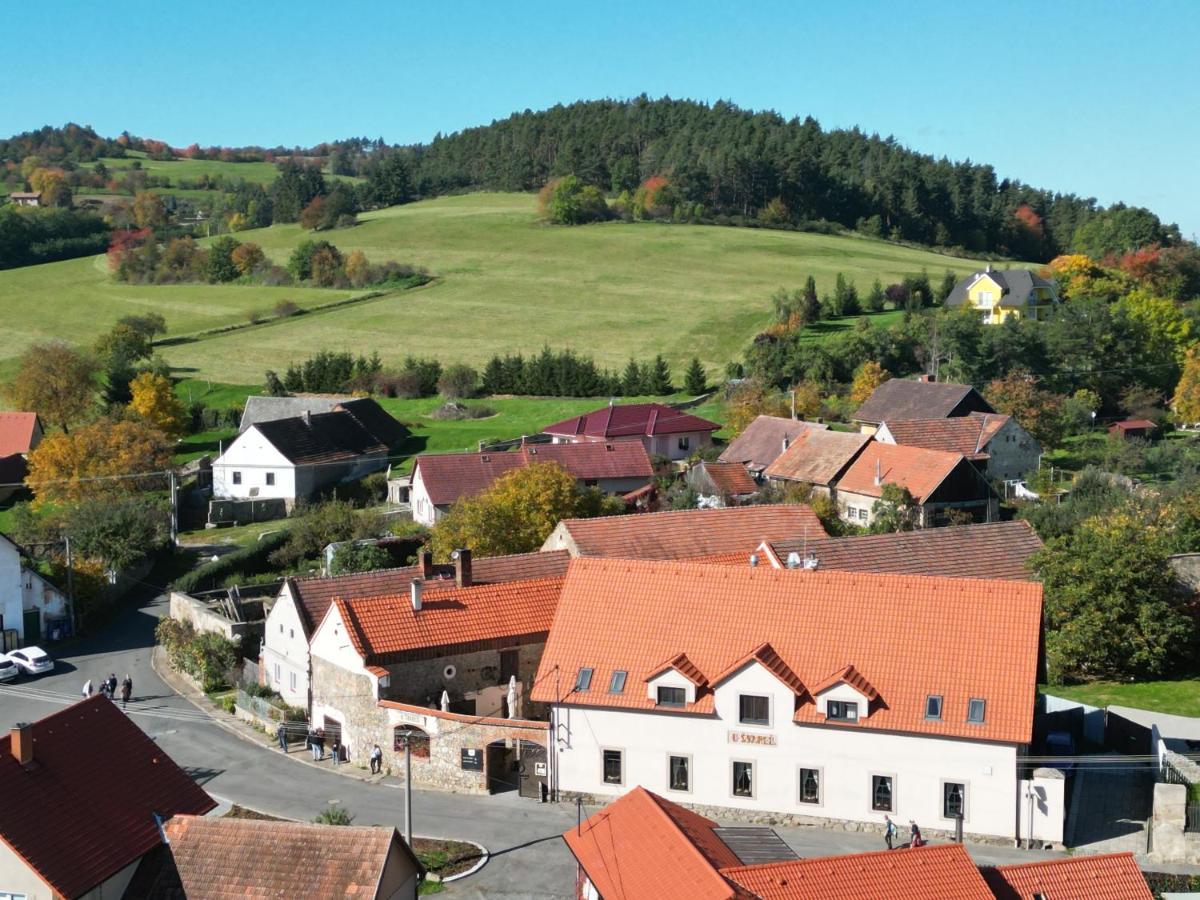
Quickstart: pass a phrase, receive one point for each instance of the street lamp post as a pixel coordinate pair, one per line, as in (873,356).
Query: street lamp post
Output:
(406,736)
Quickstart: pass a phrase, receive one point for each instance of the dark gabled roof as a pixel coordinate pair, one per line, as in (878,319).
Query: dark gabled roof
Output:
(899,399)
(1015,285)
(325,437)
(376,420)
(313,595)
(261,408)
(631,420)
(996,550)
(762,441)
(84,808)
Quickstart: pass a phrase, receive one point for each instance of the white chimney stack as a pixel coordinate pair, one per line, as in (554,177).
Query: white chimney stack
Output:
(753,560)
(417,586)
(785,445)
(793,560)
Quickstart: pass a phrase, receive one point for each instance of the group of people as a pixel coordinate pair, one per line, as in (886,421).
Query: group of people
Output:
(889,833)
(315,742)
(109,687)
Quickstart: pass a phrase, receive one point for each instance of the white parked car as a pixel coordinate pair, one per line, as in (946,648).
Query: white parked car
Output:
(32,660)
(8,668)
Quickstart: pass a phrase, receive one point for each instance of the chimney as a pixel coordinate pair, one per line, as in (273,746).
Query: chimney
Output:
(786,442)
(753,560)
(427,564)
(22,743)
(927,379)
(417,586)
(307,417)
(462,567)
(878,473)
(988,267)
(793,560)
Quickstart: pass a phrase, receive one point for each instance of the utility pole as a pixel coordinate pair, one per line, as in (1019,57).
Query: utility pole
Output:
(407,736)
(71,583)
(174,507)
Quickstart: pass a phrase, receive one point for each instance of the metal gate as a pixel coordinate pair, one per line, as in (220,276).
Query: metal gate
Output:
(534,770)
(33,626)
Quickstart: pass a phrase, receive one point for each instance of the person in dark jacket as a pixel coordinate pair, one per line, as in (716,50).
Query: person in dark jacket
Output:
(889,831)
(126,690)
(320,745)
(110,686)
(281,736)
(916,840)
(335,751)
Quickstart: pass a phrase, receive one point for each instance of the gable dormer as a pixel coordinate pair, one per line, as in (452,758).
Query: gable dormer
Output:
(845,696)
(675,683)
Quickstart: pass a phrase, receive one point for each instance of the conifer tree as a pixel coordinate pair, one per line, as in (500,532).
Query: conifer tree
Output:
(695,381)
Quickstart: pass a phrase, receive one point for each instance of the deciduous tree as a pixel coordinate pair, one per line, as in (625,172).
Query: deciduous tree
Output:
(1039,411)
(1186,401)
(247,257)
(869,376)
(155,402)
(148,210)
(56,381)
(70,467)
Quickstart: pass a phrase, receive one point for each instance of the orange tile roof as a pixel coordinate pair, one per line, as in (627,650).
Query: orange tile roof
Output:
(385,629)
(1113,876)
(684,534)
(942,872)
(631,615)
(818,457)
(968,435)
(212,859)
(16,432)
(772,661)
(915,468)
(762,441)
(851,676)
(448,477)
(84,809)
(644,846)
(730,478)
(684,666)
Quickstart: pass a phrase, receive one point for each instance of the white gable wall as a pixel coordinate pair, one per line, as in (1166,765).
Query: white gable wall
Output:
(669,678)
(253,456)
(846,693)
(423,510)
(285,650)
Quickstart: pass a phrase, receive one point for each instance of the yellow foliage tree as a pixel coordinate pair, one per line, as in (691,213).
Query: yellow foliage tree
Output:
(81,465)
(869,376)
(1168,330)
(56,381)
(1186,401)
(517,512)
(807,399)
(751,401)
(52,185)
(357,268)
(155,403)
(148,210)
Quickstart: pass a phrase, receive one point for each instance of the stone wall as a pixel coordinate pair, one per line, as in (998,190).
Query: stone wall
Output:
(421,682)
(349,699)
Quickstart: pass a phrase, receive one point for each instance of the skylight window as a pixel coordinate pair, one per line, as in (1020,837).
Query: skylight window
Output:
(617,684)
(977,711)
(583,680)
(933,706)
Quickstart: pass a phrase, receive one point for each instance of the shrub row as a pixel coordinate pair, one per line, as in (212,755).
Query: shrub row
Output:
(245,561)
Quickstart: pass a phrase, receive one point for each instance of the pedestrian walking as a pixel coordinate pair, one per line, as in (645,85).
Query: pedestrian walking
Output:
(915,840)
(310,742)
(376,760)
(889,831)
(126,690)
(281,736)
(320,745)
(110,686)
(87,689)
(335,750)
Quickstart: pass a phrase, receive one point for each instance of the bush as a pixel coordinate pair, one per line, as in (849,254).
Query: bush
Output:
(335,815)
(206,656)
(458,381)
(254,689)
(285,308)
(244,561)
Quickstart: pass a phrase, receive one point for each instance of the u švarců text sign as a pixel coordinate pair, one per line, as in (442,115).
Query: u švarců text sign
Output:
(744,737)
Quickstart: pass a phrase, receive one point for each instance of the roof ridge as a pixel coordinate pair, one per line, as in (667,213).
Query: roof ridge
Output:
(687,838)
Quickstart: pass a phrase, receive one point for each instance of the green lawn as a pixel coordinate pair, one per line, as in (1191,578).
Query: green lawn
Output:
(506,284)
(1181,698)
(191,169)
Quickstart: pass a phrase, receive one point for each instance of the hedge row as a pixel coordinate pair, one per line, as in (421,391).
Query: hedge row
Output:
(250,560)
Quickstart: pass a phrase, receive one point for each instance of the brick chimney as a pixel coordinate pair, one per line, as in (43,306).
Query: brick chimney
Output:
(462,567)
(22,743)
(427,564)
(928,379)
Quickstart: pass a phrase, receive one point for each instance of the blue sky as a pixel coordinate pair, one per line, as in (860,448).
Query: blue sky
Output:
(1099,98)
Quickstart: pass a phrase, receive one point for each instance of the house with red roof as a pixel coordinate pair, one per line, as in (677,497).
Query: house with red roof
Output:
(645,846)
(449,661)
(720,484)
(441,480)
(662,430)
(20,432)
(825,696)
(85,792)
(995,443)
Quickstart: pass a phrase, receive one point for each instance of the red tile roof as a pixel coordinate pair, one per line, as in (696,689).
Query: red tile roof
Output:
(942,872)
(631,615)
(762,441)
(448,477)
(1133,425)
(314,595)
(84,809)
(386,629)
(685,534)
(213,859)
(818,457)
(1113,876)
(766,655)
(730,478)
(915,468)
(631,420)
(684,666)
(645,846)
(968,435)
(16,432)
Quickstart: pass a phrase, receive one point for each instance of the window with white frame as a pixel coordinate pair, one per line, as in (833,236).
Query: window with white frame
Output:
(685,442)
(613,762)
(883,793)
(754,709)
(292,680)
(977,711)
(842,710)
(583,680)
(278,676)
(671,696)
(743,778)
(954,799)
(810,786)
(616,684)
(679,772)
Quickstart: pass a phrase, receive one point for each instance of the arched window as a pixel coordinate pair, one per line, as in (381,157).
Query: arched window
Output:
(418,740)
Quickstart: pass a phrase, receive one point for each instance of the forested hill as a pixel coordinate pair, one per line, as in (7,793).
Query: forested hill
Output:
(734,162)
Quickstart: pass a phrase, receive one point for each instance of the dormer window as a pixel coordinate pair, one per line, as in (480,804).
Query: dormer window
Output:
(671,696)
(754,709)
(583,680)
(977,711)
(933,706)
(616,684)
(842,710)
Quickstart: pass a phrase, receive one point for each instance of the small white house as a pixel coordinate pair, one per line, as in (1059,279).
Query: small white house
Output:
(29,604)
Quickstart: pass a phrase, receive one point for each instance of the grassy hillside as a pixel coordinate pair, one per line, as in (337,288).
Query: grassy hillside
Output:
(506,283)
(190,169)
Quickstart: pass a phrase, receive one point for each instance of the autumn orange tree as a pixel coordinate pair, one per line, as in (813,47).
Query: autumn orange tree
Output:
(56,381)
(83,464)
(867,378)
(1040,412)
(155,403)
(1186,401)
(517,512)
(149,211)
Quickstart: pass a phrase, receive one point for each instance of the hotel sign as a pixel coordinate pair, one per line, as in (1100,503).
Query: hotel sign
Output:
(744,737)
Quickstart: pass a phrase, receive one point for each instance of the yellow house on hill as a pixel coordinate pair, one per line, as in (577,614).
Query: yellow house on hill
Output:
(1000,294)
